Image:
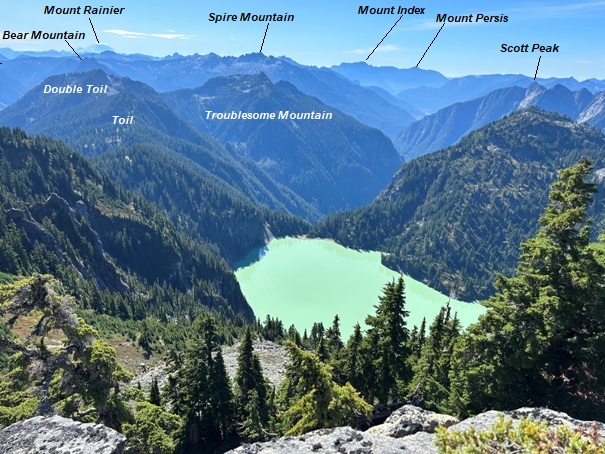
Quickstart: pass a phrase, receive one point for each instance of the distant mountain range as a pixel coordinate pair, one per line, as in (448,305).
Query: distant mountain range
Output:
(386,98)
(389,78)
(450,124)
(176,72)
(305,167)
(460,89)
(455,218)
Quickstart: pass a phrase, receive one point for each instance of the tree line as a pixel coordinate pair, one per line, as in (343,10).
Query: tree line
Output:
(540,343)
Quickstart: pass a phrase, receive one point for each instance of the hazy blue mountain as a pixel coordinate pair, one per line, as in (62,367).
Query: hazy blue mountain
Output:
(455,218)
(307,168)
(392,79)
(333,164)
(431,99)
(450,124)
(333,89)
(85,121)
(177,71)
(413,111)
(10,90)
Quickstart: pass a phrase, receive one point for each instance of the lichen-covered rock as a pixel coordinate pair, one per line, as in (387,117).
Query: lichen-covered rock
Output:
(557,418)
(409,419)
(57,435)
(342,440)
(408,430)
(485,420)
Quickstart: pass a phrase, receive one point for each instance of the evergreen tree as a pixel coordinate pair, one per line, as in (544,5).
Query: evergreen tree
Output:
(252,426)
(154,392)
(542,340)
(333,337)
(322,351)
(145,340)
(317,332)
(386,344)
(201,390)
(353,358)
(312,400)
(250,385)
(221,397)
(429,386)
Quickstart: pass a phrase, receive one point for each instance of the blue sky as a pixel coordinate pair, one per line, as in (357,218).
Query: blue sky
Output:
(330,32)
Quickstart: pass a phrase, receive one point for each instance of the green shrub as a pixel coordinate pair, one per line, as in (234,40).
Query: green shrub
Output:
(528,436)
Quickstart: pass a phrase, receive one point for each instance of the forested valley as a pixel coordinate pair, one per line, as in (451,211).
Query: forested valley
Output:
(540,342)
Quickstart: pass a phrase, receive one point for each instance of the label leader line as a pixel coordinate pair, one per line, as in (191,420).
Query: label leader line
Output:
(93,29)
(384,37)
(427,49)
(266,29)
(536,75)
(73,50)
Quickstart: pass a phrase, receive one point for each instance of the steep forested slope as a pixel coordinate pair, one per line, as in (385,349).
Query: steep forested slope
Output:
(60,215)
(333,164)
(456,217)
(198,202)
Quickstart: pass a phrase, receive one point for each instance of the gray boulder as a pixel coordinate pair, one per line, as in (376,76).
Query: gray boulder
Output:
(57,435)
(557,418)
(409,419)
(408,430)
(342,440)
(551,417)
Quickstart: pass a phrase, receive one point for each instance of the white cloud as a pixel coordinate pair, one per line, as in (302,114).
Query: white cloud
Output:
(129,34)
(381,48)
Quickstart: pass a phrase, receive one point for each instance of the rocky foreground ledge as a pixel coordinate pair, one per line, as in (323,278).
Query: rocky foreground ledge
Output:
(57,435)
(409,429)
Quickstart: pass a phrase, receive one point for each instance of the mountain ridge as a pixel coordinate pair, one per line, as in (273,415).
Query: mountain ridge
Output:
(454,218)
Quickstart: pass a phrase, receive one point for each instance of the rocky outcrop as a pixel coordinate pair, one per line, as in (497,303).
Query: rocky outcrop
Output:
(340,440)
(409,429)
(88,257)
(409,419)
(272,356)
(57,435)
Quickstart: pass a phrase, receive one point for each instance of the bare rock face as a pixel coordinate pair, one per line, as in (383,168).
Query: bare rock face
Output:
(409,419)
(58,435)
(273,359)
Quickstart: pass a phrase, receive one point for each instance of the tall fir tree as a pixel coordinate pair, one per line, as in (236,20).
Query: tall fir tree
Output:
(542,341)
(385,345)
(154,392)
(430,384)
(350,360)
(250,386)
(333,337)
(311,400)
(201,391)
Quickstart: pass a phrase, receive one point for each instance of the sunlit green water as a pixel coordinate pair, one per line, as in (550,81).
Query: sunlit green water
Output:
(304,281)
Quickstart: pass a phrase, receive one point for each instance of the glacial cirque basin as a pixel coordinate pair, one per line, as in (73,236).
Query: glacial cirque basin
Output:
(302,281)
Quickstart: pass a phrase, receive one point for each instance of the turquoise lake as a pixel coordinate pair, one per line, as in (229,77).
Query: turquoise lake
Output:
(302,281)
